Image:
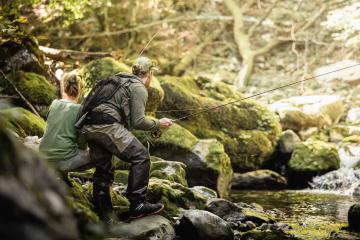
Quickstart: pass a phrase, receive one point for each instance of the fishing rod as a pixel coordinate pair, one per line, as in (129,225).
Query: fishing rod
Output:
(157,132)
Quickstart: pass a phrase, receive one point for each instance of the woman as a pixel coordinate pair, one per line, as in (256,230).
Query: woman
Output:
(60,144)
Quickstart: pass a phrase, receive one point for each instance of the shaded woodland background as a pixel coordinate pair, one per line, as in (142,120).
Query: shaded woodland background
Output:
(245,43)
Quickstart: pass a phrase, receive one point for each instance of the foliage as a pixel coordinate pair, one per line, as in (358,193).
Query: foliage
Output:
(345,23)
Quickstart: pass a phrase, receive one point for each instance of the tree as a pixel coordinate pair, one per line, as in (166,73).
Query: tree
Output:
(244,37)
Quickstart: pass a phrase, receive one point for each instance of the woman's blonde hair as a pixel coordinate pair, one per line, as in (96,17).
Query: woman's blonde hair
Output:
(72,84)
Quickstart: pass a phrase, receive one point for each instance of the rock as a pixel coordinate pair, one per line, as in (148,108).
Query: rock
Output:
(236,213)
(147,228)
(301,113)
(267,235)
(350,75)
(288,140)
(169,170)
(349,151)
(259,179)
(174,196)
(32,142)
(32,200)
(356,190)
(344,235)
(203,225)
(353,116)
(22,54)
(354,218)
(204,192)
(34,87)
(80,202)
(23,122)
(310,159)
(248,130)
(100,69)
(204,158)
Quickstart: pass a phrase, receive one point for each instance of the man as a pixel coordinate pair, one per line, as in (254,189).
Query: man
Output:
(107,133)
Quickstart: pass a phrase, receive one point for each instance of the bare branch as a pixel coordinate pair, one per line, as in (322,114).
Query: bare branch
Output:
(20,94)
(149,25)
(266,15)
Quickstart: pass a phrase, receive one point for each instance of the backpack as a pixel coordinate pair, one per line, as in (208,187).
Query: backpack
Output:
(101,93)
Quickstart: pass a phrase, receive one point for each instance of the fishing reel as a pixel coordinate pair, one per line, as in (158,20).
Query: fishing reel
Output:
(156,133)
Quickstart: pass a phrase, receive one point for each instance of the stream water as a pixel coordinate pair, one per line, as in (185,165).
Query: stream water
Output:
(312,214)
(315,212)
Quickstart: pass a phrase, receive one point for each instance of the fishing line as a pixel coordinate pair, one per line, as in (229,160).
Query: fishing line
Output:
(255,95)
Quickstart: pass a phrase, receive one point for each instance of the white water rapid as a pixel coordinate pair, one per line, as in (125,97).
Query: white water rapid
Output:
(345,180)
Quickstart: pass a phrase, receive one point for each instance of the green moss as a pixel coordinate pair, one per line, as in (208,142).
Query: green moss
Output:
(173,196)
(97,70)
(169,170)
(267,235)
(227,123)
(35,88)
(80,204)
(23,122)
(315,229)
(314,156)
(218,160)
(175,137)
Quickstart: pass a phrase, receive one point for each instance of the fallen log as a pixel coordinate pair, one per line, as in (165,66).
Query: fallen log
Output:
(72,55)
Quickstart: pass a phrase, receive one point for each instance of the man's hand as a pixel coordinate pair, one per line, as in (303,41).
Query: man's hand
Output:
(165,123)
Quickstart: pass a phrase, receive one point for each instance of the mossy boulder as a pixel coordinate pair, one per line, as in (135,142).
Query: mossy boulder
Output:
(22,54)
(248,130)
(146,228)
(169,170)
(32,199)
(81,205)
(23,122)
(310,159)
(302,112)
(174,196)
(203,225)
(259,179)
(34,87)
(206,162)
(238,213)
(97,70)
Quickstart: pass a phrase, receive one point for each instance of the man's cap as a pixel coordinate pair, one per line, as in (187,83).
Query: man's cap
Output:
(143,65)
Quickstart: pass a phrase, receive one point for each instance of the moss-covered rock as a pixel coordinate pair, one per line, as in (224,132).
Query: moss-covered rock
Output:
(205,158)
(259,179)
(248,130)
(238,213)
(302,112)
(100,69)
(23,122)
(81,205)
(147,228)
(174,196)
(312,158)
(169,170)
(34,87)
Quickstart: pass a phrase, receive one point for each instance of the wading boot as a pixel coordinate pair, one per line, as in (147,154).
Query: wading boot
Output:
(142,209)
(102,202)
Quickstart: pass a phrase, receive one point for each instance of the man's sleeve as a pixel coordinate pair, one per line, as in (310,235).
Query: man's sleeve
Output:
(138,100)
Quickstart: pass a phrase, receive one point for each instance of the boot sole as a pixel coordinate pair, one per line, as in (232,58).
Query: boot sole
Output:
(147,214)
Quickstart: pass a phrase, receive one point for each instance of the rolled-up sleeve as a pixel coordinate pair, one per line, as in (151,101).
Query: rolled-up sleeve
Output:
(139,96)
